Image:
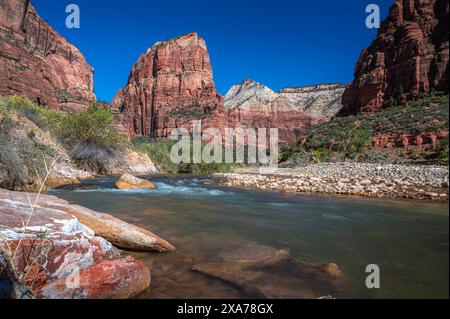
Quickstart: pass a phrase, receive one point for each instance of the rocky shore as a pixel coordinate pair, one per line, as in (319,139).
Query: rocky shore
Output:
(368,180)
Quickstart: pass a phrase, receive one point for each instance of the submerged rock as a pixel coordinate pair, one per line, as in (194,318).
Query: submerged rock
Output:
(264,272)
(128,181)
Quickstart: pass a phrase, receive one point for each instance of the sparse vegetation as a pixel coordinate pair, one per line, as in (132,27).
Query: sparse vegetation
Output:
(194,112)
(87,136)
(159,152)
(350,138)
(21,155)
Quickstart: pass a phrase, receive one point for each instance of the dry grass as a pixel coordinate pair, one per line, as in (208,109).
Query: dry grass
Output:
(26,258)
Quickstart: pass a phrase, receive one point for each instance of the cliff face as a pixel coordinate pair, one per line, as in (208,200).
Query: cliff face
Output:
(170,85)
(408,57)
(292,110)
(37,62)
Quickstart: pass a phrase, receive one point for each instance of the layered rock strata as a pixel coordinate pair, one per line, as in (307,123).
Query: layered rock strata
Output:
(37,62)
(292,110)
(170,85)
(409,57)
(66,251)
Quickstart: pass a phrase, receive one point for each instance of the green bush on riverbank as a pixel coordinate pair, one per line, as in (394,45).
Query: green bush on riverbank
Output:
(159,152)
(87,136)
(349,138)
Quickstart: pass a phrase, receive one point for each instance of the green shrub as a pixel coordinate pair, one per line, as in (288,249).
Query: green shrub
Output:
(91,127)
(93,144)
(441,152)
(28,109)
(159,152)
(88,135)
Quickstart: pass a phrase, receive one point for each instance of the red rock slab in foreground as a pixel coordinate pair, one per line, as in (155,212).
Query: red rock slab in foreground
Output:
(108,279)
(54,246)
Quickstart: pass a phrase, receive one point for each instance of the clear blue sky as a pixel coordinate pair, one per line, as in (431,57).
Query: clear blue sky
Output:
(279,43)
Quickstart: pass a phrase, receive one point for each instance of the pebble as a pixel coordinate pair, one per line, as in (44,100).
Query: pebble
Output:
(395,181)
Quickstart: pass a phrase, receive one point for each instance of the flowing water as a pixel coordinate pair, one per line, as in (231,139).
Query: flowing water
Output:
(407,240)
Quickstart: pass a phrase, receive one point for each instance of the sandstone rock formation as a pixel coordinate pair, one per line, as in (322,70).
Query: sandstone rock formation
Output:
(127,181)
(408,57)
(119,233)
(43,258)
(37,62)
(170,85)
(292,110)
(134,163)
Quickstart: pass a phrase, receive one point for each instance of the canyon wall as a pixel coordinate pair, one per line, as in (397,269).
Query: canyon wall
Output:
(408,57)
(37,62)
(172,84)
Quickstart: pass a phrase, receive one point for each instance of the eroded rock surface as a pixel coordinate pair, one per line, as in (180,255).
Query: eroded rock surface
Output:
(42,254)
(107,279)
(37,62)
(292,110)
(408,57)
(169,86)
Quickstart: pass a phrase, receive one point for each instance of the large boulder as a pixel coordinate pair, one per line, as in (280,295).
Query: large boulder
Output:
(45,246)
(128,181)
(116,231)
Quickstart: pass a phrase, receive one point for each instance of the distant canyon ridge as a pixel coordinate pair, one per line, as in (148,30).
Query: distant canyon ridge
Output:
(172,83)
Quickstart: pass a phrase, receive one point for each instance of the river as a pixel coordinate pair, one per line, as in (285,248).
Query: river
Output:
(408,240)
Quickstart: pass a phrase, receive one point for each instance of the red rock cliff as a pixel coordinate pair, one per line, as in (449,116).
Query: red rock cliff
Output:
(408,57)
(170,85)
(37,62)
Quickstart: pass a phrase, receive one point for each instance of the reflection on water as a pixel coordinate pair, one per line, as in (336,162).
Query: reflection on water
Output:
(408,240)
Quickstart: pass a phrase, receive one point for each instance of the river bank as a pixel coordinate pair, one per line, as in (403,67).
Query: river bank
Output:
(367,180)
